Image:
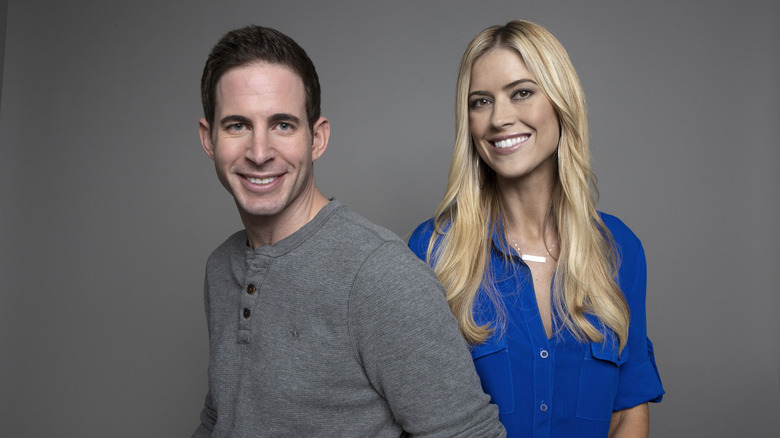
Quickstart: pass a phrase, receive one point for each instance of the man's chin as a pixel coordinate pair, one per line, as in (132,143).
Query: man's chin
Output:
(260,211)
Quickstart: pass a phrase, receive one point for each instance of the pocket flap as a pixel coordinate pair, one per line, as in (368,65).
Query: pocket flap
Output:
(492,345)
(608,351)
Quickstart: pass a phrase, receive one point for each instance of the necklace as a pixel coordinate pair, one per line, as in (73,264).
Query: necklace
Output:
(531,257)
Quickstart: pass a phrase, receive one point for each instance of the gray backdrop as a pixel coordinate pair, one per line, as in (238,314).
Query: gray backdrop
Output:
(110,207)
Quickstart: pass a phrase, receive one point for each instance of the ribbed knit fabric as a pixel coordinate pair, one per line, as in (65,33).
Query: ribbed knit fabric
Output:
(336,331)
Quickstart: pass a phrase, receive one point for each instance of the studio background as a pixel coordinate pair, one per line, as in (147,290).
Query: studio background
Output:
(110,207)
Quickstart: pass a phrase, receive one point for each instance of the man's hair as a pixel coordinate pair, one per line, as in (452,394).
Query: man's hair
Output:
(256,44)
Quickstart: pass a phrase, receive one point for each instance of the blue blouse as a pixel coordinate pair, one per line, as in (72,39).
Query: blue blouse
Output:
(560,387)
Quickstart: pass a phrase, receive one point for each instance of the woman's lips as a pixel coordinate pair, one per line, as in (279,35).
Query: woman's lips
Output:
(511,141)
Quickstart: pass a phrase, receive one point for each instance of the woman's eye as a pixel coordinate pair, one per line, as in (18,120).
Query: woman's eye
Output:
(523,93)
(479,103)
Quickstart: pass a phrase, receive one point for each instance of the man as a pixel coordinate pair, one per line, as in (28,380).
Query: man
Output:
(320,323)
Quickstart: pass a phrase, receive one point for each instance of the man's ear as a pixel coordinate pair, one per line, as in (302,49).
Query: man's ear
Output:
(320,136)
(205,137)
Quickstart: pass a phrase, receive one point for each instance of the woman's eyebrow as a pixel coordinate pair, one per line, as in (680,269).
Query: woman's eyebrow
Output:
(504,88)
(517,82)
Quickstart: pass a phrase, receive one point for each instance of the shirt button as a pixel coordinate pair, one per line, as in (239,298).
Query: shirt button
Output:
(544,354)
(250,289)
(247,313)
(543,407)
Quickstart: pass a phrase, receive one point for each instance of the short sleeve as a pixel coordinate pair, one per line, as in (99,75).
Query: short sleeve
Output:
(639,381)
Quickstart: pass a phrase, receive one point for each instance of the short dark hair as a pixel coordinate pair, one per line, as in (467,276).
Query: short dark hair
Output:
(253,44)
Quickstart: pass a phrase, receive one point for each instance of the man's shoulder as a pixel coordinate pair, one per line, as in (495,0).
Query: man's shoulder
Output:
(376,246)
(360,230)
(235,243)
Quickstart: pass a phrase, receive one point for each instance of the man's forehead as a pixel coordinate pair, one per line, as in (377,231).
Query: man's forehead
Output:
(260,72)
(261,83)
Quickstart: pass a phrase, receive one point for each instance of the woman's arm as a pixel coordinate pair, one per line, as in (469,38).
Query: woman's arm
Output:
(630,423)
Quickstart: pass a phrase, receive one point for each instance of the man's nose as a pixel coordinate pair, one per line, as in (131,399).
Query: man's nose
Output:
(260,148)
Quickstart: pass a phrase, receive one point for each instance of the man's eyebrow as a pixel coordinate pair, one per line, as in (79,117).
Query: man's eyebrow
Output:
(284,117)
(234,118)
(505,87)
(274,118)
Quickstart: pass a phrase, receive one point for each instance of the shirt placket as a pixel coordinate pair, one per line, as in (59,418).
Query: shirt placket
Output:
(247,310)
(543,360)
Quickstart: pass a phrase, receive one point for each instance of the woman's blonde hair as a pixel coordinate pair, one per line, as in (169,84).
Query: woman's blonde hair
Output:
(585,276)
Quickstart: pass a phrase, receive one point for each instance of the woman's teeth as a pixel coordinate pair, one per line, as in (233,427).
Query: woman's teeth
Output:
(509,142)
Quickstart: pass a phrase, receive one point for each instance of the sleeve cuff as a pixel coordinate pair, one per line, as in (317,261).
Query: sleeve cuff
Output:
(639,382)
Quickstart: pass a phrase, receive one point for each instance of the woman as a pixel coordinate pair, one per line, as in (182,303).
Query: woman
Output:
(549,292)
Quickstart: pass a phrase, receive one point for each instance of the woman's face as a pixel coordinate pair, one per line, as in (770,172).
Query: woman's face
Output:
(513,124)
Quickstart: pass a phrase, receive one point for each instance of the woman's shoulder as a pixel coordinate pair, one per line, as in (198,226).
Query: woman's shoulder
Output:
(426,228)
(629,250)
(421,237)
(621,233)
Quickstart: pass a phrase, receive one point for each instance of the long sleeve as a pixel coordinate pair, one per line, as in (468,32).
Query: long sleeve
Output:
(412,351)
(208,417)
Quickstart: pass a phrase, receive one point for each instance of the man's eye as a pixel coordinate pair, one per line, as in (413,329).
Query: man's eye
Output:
(236,127)
(285,126)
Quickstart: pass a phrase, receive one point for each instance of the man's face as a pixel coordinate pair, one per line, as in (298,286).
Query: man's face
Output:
(261,144)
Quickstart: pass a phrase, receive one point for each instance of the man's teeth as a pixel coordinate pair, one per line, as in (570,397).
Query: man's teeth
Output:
(261,180)
(511,141)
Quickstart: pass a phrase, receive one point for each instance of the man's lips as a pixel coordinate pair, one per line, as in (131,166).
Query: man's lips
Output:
(261,181)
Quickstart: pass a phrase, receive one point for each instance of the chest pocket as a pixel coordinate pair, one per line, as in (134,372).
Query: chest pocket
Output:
(599,380)
(491,360)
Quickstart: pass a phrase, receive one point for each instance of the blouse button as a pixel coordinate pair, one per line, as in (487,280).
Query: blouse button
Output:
(543,407)
(544,354)
(247,313)
(250,289)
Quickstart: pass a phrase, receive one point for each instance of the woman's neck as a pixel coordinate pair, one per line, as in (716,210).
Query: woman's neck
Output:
(525,206)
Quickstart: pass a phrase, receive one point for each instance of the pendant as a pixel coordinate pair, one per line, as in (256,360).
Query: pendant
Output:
(533,258)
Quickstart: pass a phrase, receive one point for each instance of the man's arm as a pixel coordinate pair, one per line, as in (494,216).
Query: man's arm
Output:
(208,417)
(410,346)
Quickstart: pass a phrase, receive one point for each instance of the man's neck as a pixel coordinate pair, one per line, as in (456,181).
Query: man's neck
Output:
(268,230)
